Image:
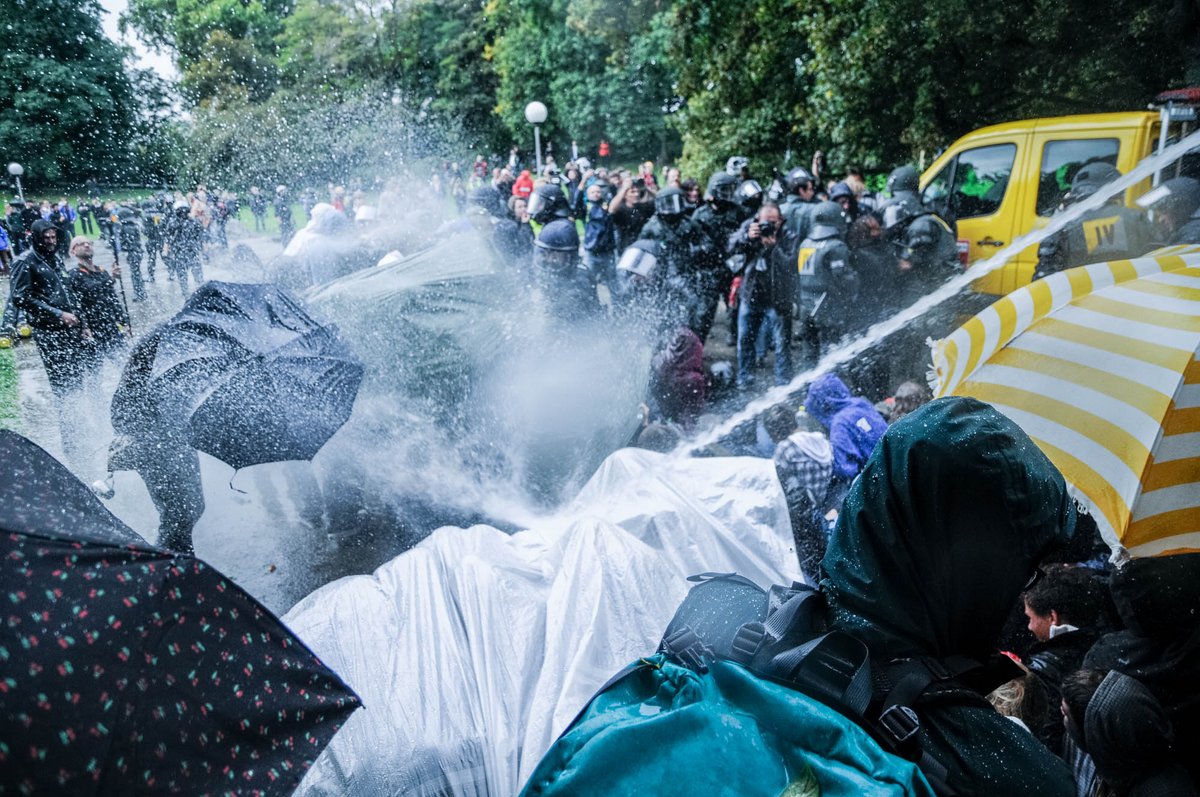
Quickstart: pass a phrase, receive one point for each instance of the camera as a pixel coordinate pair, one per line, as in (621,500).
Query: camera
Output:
(766,229)
(639,183)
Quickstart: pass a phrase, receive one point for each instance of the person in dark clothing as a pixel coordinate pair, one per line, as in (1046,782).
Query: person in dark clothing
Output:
(184,246)
(565,285)
(1109,232)
(258,209)
(1064,609)
(952,514)
(1158,600)
(95,289)
(768,290)
(39,289)
(153,441)
(630,212)
(283,213)
(131,245)
(1176,208)
(828,293)
(682,250)
(718,218)
(153,222)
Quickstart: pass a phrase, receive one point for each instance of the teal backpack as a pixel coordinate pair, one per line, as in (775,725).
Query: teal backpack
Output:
(750,694)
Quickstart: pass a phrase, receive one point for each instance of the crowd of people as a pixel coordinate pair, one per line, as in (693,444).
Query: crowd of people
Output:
(800,264)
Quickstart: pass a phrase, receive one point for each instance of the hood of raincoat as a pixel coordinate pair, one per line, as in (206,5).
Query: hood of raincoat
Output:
(940,533)
(827,397)
(38,232)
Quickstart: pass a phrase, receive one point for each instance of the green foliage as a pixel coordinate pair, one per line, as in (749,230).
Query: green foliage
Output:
(68,107)
(10,399)
(593,91)
(739,68)
(894,78)
(871,82)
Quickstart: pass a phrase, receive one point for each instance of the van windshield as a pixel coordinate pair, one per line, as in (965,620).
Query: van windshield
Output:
(1062,159)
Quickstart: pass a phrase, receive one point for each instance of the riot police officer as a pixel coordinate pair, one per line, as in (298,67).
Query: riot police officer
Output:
(684,250)
(153,218)
(547,203)
(717,218)
(828,283)
(1109,232)
(283,212)
(1176,208)
(569,293)
(904,201)
(800,202)
(131,245)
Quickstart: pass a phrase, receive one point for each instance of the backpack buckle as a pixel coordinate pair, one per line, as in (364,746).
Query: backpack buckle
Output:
(746,642)
(900,722)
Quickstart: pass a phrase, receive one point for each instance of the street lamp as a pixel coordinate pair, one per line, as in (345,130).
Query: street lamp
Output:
(535,114)
(16,170)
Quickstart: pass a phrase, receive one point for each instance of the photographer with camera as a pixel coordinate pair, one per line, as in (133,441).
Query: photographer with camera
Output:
(768,290)
(631,208)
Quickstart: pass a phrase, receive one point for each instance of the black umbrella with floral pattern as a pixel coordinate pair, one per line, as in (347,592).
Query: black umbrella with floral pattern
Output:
(133,670)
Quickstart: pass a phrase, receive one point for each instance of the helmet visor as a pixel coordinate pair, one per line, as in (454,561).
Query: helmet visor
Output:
(537,203)
(638,261)
(722,192)
(669,205)
(553,259)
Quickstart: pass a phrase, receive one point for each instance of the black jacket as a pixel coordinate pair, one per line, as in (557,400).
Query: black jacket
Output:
(39,288)
(769,276)
(935,541)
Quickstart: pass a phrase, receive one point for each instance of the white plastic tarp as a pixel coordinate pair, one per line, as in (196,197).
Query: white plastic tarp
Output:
(475,649)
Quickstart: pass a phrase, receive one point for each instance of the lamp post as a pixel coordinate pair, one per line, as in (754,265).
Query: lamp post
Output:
(16,170)
(535,114)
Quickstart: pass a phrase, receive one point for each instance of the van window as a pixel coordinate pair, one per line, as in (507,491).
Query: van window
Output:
(981,180)
(1062,159)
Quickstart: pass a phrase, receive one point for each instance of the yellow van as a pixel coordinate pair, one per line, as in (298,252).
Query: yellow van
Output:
(1003,181)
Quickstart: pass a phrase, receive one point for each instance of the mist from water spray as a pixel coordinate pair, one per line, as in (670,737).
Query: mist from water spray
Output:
(852,349)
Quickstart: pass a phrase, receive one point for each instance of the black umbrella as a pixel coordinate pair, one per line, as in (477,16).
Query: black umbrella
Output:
(242,373)
(128,669)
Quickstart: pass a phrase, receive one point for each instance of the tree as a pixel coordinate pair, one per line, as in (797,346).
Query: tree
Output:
(894,78)
(68,107)
(739,66)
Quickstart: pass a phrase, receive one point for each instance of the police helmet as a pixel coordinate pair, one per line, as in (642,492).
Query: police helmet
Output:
(1090,178)
(1178,198)
(557,246)
(488,198)
(903,179)
(797,178)
(827,222)
(750,194)
(721,186)
(670,202)
(840,190)
(558,235)
(735,165)
(547,203)
(640,259)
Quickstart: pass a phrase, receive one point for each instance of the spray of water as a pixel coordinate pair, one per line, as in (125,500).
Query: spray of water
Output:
(852,349)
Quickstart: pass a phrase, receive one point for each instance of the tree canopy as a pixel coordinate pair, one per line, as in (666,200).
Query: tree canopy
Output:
(871,82)
(69,108)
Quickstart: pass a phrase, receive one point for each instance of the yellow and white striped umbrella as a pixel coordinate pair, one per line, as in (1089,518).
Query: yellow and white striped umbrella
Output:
(1099,366)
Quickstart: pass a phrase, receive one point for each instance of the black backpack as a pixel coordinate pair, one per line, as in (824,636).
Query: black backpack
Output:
(781,634)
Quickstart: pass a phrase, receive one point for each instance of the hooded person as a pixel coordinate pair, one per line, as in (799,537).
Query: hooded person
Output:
(1158,600)
(40,290)
(953,513)
(678,385)
(855,426)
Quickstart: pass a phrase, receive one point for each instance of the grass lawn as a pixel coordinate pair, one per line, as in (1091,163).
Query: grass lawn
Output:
(10,403)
